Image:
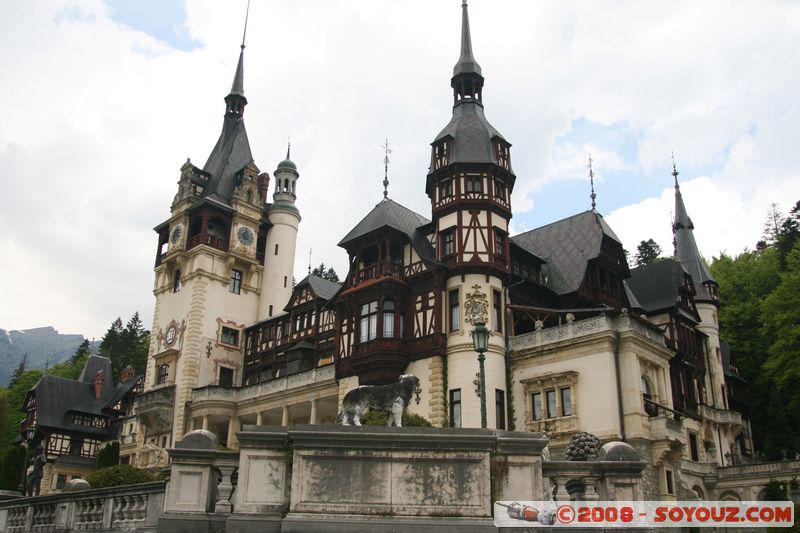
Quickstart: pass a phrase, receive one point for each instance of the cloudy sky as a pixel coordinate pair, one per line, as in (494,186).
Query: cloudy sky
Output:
(101,103)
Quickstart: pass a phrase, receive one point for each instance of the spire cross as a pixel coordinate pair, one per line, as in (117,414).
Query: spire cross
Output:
(593,196)
(386,151)
(674,169)
(246,16)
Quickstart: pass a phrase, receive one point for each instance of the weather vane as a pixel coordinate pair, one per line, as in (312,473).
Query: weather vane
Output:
(386,151)
(593,196)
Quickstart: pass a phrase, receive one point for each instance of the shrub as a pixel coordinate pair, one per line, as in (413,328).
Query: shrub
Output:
(12,461)
(378,418)
(108,456)
(115,476)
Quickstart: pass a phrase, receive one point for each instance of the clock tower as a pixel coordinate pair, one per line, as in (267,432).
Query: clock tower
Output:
(214,274)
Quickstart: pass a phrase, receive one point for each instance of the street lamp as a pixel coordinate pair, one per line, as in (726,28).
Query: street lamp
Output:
(480,341)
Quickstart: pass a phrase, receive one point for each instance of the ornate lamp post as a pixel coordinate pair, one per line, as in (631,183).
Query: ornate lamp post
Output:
(480,341)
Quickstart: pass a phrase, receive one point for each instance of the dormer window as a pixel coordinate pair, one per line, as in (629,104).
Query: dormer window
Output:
(502,154)
(441,154)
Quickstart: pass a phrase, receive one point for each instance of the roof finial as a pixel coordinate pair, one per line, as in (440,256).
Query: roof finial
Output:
(246,16)
(674,170)
(309,260)
(386,151)
(593,196)
(288,148)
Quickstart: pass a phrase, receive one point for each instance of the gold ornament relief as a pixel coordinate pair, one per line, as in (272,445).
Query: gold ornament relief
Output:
(476,306)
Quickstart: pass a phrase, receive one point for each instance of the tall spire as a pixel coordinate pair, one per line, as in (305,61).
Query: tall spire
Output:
(232,151)
(236,100)
(593,196)
(466,62)
(686,250)
(467,81)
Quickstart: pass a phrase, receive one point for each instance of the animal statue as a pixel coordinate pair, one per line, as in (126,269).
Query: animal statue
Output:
(391,399)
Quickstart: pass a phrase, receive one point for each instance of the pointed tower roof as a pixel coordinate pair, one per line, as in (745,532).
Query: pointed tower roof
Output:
(237,88)
(471,137)
(232,151)
(686,250)
(466,62)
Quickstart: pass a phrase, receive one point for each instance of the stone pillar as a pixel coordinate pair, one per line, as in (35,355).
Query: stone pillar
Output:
(205,422)
(259,419)
(313,418)
(285,416)
(233,427)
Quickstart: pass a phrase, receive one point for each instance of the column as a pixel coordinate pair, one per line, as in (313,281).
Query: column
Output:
(313,418)
(205,422)
(233,427)
(259,419)
(285,417)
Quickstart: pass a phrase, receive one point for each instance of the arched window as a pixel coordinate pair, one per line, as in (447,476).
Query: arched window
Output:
(388,319)
(163,374)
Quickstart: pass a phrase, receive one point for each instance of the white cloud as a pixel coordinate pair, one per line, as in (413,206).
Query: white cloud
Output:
(98,118)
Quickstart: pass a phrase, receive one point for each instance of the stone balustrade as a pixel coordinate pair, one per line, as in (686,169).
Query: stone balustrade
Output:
(721,416)
(129,508)
(580,328)
(774,468)
(237,394)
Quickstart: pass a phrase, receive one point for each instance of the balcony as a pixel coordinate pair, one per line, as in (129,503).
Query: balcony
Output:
(213,393)
(154,408)
(721,416)
(209,240)
(378,270)
(379,361)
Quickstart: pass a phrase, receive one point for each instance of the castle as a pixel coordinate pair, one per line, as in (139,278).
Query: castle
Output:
(579,342)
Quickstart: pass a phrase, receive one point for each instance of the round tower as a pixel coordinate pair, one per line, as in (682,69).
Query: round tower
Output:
(284,219)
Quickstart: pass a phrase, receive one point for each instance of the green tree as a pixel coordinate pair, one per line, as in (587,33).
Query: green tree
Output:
(108,456)
(81,352)
(780,312)
(15,396)
(326,273)
(647,252)
(21,367)
(125,346)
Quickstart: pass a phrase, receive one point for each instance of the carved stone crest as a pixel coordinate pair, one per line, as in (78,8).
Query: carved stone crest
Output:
(476,306)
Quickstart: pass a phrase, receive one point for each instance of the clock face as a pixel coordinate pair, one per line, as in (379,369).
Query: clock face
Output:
(170,336)
(176,234)
(245,235)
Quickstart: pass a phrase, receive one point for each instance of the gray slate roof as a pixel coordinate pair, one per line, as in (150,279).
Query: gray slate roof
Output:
(686,248)
(57,397)
(390,214)
(229,156)
(656,285)
(323,288)
(567,246)
(472,135)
